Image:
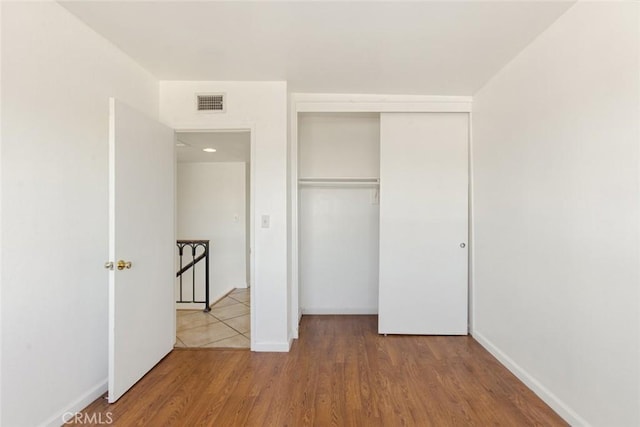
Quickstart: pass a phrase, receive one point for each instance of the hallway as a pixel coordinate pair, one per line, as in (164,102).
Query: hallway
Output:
(227,325)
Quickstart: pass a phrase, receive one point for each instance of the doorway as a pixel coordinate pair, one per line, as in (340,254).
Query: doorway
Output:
(213,203)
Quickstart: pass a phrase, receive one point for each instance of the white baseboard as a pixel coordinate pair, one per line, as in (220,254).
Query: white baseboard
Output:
(294,332)
(568,414)
(79,404)
(281,347)
(340,311)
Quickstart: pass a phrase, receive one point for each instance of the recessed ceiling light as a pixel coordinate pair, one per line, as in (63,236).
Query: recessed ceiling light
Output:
(209,150)
(180,144)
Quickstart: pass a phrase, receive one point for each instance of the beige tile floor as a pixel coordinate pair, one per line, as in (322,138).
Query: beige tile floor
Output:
(227,325)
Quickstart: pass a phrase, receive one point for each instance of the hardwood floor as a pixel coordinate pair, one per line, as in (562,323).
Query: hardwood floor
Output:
(340,372)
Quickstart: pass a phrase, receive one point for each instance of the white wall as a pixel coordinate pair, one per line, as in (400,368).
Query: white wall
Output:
(339,243)
(555,137)
(338,225)
(339,145)
(57,76)
(261,107)
(211,206)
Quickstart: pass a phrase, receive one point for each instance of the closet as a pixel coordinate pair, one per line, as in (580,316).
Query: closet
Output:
(383,218)
(338,171)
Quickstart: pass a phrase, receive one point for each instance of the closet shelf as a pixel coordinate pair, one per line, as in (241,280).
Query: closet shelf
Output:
(339,181)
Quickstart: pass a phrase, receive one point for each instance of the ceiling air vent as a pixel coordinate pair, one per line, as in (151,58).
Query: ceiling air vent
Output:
(211,102)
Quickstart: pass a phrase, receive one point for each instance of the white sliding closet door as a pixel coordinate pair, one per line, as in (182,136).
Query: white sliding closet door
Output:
(423,223)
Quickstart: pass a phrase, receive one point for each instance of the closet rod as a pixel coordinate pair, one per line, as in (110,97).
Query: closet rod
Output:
(339,180)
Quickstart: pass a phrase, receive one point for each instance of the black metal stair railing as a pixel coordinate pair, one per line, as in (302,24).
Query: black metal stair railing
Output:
(194,245)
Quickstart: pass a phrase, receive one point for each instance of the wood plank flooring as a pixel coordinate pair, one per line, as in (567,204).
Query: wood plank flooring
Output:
(340,373)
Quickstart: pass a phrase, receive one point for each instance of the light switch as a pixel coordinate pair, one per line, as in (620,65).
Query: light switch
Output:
(265,221)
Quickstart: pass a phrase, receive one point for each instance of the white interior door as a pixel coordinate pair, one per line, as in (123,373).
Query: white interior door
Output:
(141,231)
(423,223)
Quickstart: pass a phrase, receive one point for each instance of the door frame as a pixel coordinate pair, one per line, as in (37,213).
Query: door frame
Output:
(348,103)
(242,127)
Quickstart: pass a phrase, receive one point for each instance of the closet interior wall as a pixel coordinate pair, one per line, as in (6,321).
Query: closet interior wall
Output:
(338,171)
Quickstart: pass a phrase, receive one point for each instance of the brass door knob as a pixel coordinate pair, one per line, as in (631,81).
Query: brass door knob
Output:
(124,264)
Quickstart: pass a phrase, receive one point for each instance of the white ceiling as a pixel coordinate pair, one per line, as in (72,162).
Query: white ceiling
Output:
(230,146)
(428,47)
